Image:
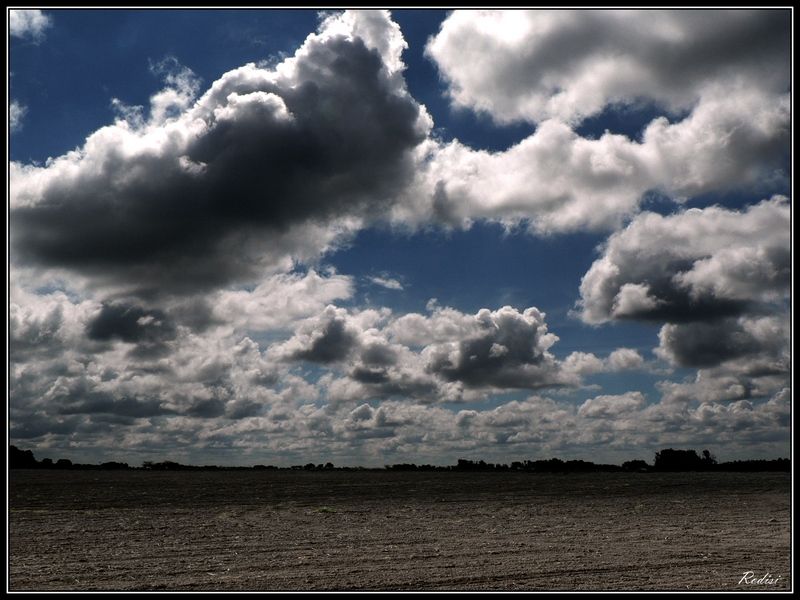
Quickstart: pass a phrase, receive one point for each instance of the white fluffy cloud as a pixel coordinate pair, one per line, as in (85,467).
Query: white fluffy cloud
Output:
(719,279)
(612,406)
(536,65)
(28,23)
(692,265)
(279,301)
(16,114)
(387,282)
(722,77)
(559,181)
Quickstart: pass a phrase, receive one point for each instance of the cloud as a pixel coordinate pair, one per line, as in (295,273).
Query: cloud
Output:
(692,266)
(709,344)
(719,81)
(586,363)
(387,282)
(43,326)
(279,301)
(623,359)
(556,181)
(148,329)
(331,340)
(505,349)
(719,280)
(445,356)
(218,393)
(16,114)
(612,406)
(737,359)
(268,166)
(28,24)
(536,65)
(328,337)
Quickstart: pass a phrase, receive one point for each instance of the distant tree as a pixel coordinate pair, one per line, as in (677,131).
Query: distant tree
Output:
(709,460)
(678,460)
(63,463)
(21,459)
(47,463)
(635,465)
(115,466)
(328,466)
(309,466)
(166,465)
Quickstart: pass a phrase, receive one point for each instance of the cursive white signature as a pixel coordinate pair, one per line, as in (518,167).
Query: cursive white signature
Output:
(750,578)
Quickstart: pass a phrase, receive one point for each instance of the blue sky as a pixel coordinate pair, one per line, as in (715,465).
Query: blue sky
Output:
(273,236)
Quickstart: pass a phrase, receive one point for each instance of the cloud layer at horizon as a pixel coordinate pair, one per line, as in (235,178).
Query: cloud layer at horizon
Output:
(169,288)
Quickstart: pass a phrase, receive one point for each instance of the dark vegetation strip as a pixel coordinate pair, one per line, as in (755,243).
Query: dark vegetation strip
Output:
(665,460)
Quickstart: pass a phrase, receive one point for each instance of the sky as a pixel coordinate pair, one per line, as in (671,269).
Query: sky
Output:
(246,237)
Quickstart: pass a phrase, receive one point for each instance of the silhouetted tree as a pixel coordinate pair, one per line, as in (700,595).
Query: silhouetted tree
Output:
(63,463)
(709,460)
(635,465)
(678,460)
(21,459)
(115,466)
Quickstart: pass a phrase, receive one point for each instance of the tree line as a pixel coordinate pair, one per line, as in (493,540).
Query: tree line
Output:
(665,460)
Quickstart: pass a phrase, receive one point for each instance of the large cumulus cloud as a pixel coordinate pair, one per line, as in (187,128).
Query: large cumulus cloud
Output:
(719,280)
(267,166)
(557,181)
(692,266)
(535,65)
(719,81)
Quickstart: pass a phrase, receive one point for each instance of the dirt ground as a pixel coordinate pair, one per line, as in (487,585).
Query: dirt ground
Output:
(295,530)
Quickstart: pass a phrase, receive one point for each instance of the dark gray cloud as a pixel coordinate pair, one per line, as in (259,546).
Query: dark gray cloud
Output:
(703,345)
(232,185)
(207,409)
(507,349)
(707,344)
(38,425)
(332,343)
(378,354)
(129,323)
(97,403)
(147,329)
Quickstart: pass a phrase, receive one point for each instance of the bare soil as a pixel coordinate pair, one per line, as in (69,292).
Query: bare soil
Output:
(295,530)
